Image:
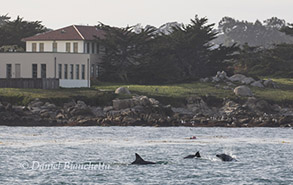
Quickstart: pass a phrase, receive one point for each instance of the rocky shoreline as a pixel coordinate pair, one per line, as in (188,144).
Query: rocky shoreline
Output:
(144,111)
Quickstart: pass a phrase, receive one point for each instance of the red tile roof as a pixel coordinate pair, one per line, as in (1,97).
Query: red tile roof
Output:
(69,33)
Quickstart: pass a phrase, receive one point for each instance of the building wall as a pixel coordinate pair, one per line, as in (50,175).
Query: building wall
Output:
(52,61)
(61,46)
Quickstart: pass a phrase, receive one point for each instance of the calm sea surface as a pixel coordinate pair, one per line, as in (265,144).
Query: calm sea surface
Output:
(101,155)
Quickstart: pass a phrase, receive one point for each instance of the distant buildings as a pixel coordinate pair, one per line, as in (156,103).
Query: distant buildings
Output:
(69,54)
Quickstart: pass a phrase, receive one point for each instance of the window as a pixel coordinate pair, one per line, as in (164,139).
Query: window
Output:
(77,71)
(8,71)
(75,47)
(98,48)
(17,71)
(34,47)
(83,71)
(65,71)
(54,47)
(92,70)
(35,70)
(71,71)
(43,71)
(41,47)
(88,47)
(93,47)
(60,71)
(97,70)
(68,47)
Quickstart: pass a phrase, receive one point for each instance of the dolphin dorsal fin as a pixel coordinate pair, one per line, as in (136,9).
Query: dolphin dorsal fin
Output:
(197,154)
(138,158)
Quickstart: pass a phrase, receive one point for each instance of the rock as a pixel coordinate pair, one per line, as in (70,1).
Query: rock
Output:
(222,75)
(81,105)
(215,79)
(98,111)
(257,84)
(8,107)
(138,109)
(80,109)
(36,103)
(45,114)
(269,83)
(247,80)
(204,80)
(286,112)
(49,106)
(243,91)
(122,104)
(182,111)
(122,90)
(69,104)
(154,101)
(108,108)
(197,105)
(114,113)
(144,101)
(256,105)
(2,108)
(60,116)
(229,108)
(35,110)
(237,78)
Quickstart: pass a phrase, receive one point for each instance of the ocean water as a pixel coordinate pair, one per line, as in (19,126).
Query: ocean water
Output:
(101,155)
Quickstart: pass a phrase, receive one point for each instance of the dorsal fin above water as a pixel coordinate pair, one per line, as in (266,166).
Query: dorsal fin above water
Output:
(139,160)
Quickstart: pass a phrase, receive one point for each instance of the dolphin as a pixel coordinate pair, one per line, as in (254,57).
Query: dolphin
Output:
(193,156)
(225,157)
(140,161)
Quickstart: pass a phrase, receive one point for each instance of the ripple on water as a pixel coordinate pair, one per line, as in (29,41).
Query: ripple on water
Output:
(263,155)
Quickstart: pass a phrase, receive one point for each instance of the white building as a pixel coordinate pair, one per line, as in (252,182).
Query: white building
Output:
(69,54)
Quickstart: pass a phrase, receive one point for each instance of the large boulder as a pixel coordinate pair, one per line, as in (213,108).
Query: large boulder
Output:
(122,103)
(257,84)
(269,83)
(220,76)
(247,80)
(198,106)
(229,108)
(243,91)
(237,78)
(259,105)
(36,103)
(79,109)
(122,90)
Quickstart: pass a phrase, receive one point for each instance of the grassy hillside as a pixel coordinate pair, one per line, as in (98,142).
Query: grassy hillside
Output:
(102,93)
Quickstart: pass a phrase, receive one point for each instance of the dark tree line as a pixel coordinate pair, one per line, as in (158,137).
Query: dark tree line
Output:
(145,57)
(11,32)
(288,29)
(264,34)
(276,61)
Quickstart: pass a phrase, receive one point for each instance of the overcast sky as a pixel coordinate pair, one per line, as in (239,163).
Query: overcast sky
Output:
(60,13)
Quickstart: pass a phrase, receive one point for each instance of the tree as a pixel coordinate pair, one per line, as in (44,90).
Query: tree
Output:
(276,61)
(264,34)
(12,32)
(4,19)
(275,22)
(191,45)
(124,49)
(185,54)
(288,29)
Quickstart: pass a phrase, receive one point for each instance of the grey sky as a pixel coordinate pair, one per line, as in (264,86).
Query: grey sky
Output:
(59,13)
